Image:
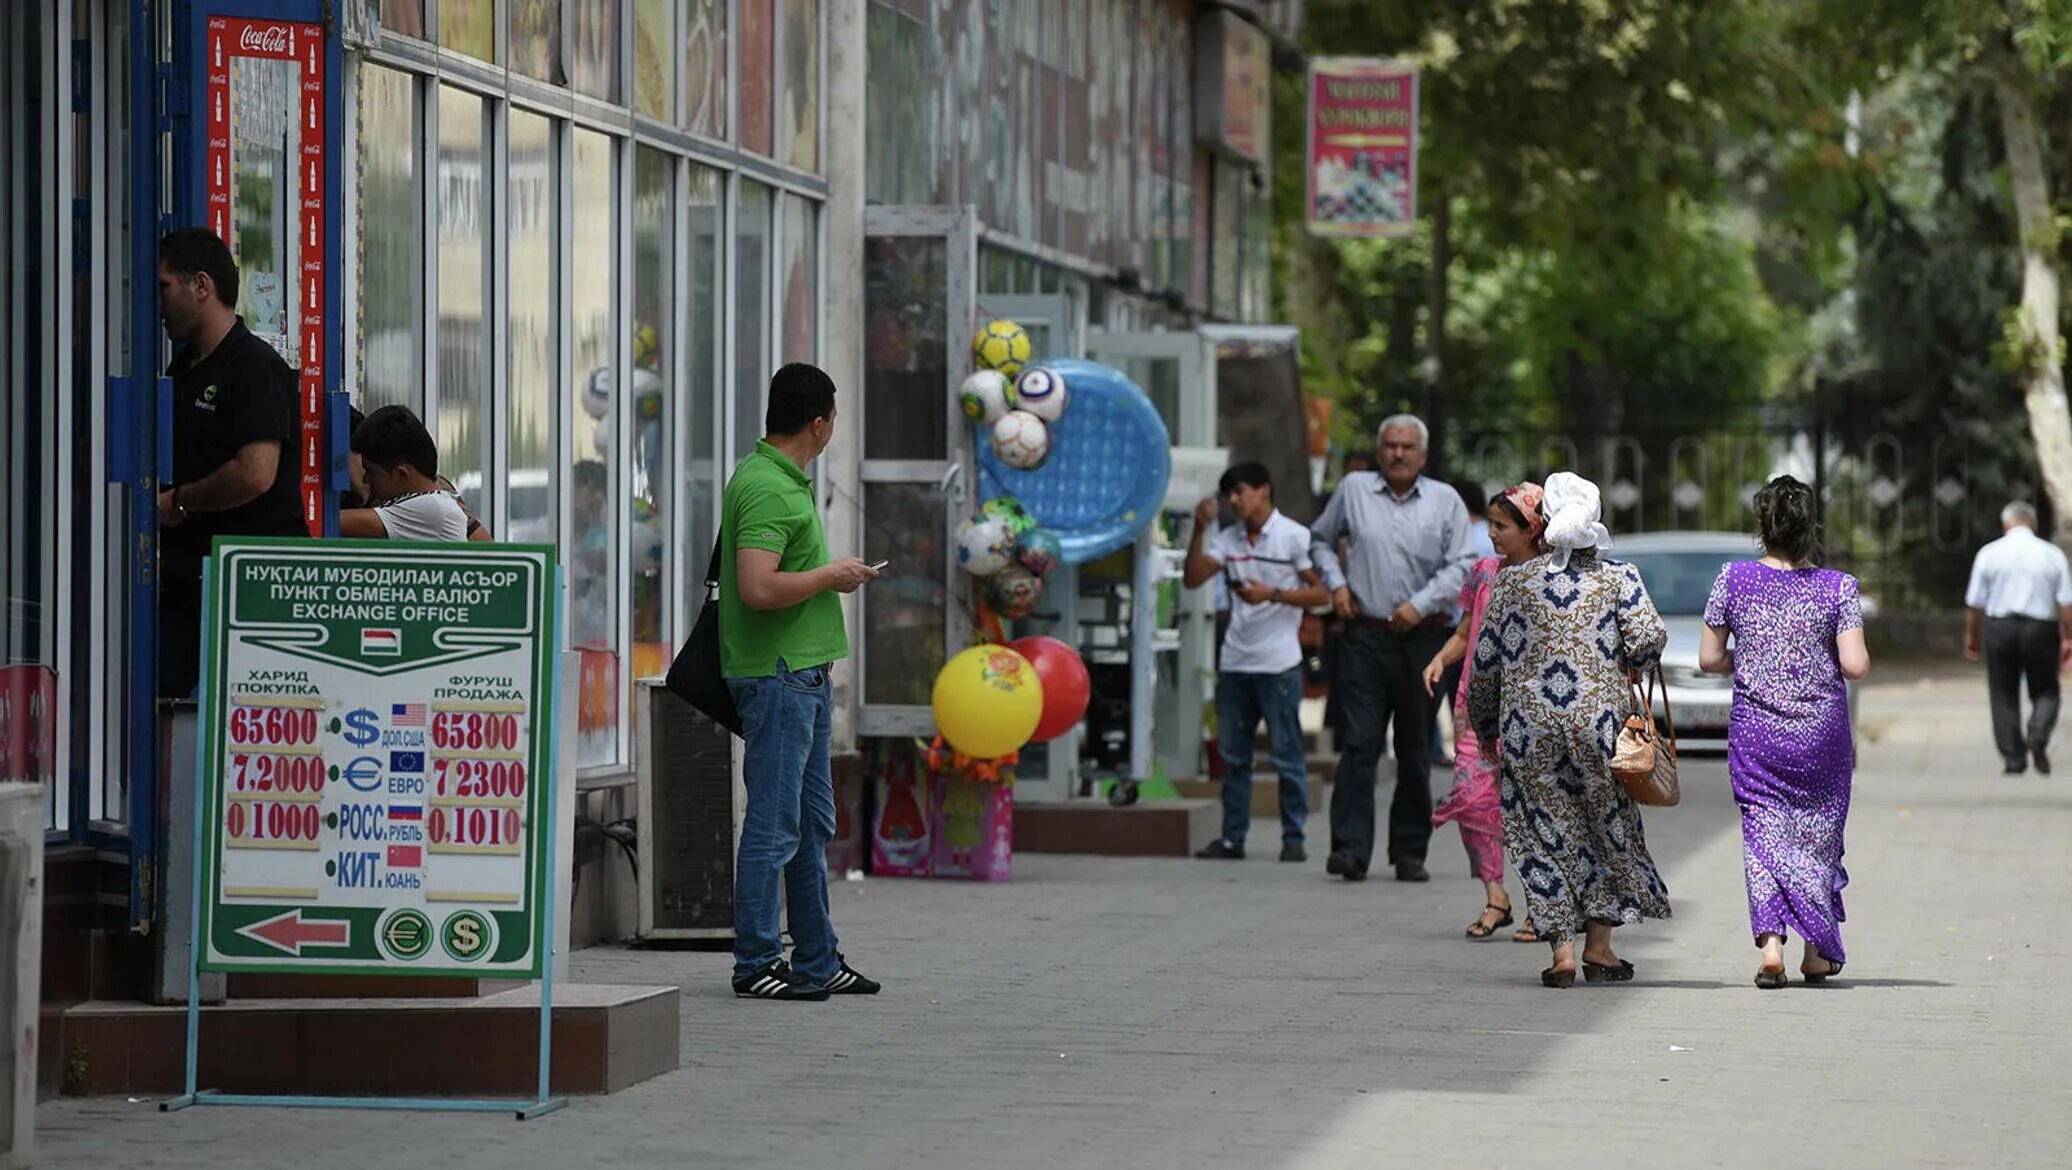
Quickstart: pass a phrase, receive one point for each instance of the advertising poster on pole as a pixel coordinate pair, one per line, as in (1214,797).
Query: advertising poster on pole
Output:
(375,780)
(1362,159)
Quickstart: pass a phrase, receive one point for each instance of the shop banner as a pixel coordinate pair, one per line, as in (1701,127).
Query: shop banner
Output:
(1362,161)
(377,773)
(280,171)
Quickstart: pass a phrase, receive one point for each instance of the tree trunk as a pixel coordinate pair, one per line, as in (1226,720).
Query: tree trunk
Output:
(2042,369)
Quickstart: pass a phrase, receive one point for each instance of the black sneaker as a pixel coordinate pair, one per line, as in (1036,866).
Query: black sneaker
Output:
(1220,850)
(2042,760)
(1412,871)
(1343,865)
(1293,851)
(777,981)
(850,981)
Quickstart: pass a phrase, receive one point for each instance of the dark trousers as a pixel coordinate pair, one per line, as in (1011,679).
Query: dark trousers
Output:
(2019,649)
(179,632)
(1380,676)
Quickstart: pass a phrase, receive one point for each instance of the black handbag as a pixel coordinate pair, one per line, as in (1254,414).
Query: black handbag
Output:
(695,675)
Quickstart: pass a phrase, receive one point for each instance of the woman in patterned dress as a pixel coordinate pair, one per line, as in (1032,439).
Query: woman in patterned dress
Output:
(1548,695)
(1797,634)
(1514,529)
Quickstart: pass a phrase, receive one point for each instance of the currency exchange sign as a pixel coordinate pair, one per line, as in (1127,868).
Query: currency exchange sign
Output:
(375,787)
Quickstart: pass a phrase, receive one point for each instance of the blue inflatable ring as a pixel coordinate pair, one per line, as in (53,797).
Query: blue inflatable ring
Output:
(1110,457)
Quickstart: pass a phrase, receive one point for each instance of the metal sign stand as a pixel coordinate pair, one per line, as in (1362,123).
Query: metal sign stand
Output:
(543,1102)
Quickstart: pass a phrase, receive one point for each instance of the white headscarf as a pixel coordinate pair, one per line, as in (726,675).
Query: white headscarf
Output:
(1573,508)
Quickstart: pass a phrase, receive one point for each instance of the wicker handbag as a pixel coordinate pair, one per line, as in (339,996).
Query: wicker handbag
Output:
(1644,758)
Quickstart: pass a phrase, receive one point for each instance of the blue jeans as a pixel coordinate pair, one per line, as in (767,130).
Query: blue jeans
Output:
(785,722)
(1242,700)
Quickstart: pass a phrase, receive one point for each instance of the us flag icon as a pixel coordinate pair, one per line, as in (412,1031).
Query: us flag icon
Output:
(387,643)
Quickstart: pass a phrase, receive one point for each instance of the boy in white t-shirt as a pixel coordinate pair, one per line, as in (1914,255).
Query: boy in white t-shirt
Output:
(400,464)
(1267,569)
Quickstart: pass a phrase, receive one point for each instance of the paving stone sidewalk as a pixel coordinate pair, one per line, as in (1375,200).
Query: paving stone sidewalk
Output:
(1117,1013)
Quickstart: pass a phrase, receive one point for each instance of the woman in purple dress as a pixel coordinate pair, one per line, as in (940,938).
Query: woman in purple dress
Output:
(1797,634)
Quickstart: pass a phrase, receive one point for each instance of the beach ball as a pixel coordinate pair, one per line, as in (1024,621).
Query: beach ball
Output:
(1040,551)
(1021,440)
(1013,592)
(984,546)
(1009,509)
(988,699)
(1041,392)
(985,396)
(1066,687)
(1002,346)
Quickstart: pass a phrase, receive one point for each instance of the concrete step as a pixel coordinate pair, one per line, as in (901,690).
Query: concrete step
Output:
(1162,828)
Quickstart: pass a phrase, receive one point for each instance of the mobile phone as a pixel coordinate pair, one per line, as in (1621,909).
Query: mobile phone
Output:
(880,566)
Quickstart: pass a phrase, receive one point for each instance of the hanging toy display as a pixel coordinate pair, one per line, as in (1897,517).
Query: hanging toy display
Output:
(1039,551)
(1021,440)
(1007,508)
(985,396)
(985,546)
(1013,592)
(1041,391)
(1002,346)
(987,701)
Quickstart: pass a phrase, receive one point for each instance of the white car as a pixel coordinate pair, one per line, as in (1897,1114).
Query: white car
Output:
(1679,569)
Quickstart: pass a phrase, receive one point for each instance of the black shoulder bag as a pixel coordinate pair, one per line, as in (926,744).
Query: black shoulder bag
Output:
(695,675)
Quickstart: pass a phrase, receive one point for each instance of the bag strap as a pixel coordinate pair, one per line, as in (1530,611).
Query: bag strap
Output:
(1655,679)
(712,563)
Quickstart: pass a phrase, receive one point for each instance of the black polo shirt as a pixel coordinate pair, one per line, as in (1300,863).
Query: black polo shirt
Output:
(241,393)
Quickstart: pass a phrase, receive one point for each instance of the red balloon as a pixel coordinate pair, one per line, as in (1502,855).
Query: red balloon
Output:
(1066,686)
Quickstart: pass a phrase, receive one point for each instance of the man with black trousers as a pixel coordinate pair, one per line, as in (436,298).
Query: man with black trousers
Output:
(2018,616)
(234,440)
(1408,552)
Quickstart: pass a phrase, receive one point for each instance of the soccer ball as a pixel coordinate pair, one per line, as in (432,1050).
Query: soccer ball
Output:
(1041,392)
(598,391)
(1007,508)
(985,396)
(646,346)
(1021,440)
(984,546)
(1040,552)
(1002,346)
(1013,592)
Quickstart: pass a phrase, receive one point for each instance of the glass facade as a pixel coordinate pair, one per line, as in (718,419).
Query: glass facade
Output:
(391,348)
(464,280)
(596,504)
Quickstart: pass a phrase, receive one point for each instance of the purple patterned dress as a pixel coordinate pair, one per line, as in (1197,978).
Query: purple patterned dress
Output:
(1790,750)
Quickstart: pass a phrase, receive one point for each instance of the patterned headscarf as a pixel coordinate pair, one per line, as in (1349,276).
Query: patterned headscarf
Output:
(1526,498)
(1573,508)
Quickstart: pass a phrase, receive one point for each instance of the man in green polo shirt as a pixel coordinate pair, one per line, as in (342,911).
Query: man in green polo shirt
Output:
(780,630)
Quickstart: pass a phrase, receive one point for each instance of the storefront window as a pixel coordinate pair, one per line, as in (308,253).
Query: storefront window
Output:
(799,112)
(800,276)
(906,369)
(752,368)
(469,26)
(532,184)
(655,347)
(390,348)
(654,58)
(536,39)
(758,63)
(904,524)
(402,16)
(464,286)
(705,68)
(703,349)
(899,163)
(596,441)
(265,142)
(593,48)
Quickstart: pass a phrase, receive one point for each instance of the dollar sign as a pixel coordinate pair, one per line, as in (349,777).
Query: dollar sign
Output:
(466,937)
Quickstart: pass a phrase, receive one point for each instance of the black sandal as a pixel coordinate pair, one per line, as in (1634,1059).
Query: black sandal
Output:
(1770,980)
(1602,973)
(1527,933)
(1833,969)
(1479,929)
(1552,977)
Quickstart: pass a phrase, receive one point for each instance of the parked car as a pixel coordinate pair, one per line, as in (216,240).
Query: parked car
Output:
(1679,569)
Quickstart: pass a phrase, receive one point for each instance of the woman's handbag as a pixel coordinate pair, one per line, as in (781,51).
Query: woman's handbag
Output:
(695,674)
(1644,759)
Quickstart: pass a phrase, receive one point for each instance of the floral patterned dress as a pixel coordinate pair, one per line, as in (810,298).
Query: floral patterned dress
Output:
(1790,749)
(1473,803)
(1549,686)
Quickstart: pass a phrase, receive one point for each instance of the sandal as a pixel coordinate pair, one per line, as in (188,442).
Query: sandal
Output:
(1770,980)
(1479,929)
(1833,969)
(1552,977)
(1526,933)
(1621,972)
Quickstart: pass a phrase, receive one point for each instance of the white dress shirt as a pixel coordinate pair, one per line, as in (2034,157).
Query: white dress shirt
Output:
(2020,575)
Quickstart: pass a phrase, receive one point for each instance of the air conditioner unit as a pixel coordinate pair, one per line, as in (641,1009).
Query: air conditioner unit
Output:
(690,801)
(21,965)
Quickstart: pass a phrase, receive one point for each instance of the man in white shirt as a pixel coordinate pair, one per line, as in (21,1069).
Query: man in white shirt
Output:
(400,464)
(2020,600)
(1265,564)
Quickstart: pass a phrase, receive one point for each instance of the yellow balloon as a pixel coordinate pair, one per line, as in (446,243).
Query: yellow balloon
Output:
(988,701)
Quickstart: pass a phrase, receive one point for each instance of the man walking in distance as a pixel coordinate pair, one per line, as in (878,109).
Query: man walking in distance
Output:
(1265,562)
(234,440)
(2018,611)
(780,631)
(1408,552)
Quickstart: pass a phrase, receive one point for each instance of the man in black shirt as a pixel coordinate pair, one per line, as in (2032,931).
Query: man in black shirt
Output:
(234,440)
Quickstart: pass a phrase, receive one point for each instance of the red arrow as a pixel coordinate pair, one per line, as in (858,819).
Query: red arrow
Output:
(290,932)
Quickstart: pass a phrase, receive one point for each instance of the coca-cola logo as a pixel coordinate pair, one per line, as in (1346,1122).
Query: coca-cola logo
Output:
(272,38)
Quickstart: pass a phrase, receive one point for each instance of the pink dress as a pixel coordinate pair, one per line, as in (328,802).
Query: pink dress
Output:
(1474,803)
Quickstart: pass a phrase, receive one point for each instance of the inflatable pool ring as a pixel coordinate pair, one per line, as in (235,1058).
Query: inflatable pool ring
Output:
(1110,457)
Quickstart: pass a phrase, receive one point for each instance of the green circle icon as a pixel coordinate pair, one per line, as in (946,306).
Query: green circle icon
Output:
(465,936)
(406,934)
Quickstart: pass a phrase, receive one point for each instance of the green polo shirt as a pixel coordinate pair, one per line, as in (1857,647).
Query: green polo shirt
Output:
(769,506)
